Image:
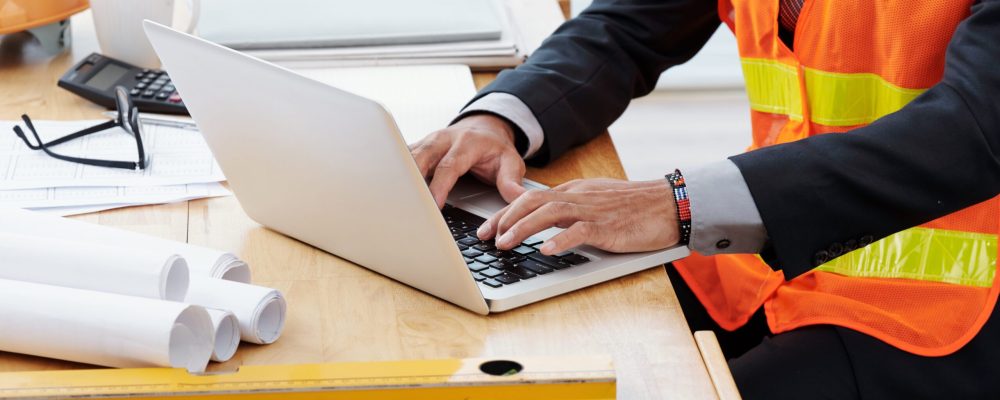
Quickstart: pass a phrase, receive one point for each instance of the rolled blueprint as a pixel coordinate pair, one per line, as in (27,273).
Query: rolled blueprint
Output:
(260,310)
(103,328)
(227,334)
(155,274)
(201,261)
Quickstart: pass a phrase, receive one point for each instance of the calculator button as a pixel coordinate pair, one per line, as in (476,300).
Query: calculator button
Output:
(169,88)
(160,82)
(149,93)
(175,98)
(141,85)
(155,87)
(139,75)
(146,80)
(134,92)
(162,95)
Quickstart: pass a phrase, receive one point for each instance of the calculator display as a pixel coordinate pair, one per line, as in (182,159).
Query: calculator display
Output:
(106,77)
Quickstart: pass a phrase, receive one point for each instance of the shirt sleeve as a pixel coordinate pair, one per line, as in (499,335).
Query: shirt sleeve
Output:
(724,217)
(514,110)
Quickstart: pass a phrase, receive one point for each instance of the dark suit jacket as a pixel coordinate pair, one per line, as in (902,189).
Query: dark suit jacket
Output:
(937,155)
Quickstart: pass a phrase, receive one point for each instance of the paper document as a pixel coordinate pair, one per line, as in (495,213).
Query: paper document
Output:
(150,273)
(201,261)
(174,155)
(67,196)
(226,329)
(260,310)
(103,328)
(422,99)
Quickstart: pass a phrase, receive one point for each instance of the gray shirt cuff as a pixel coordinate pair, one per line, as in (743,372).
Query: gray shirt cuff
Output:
(512,108)
(724,217)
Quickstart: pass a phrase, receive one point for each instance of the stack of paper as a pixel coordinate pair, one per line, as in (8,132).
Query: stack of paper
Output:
(179,167)
(484,34)
(97,295)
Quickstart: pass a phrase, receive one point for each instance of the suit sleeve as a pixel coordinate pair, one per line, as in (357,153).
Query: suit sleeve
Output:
(582,77)
(937,155)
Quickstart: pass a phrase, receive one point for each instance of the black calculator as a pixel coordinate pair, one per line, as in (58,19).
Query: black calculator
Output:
(96,77)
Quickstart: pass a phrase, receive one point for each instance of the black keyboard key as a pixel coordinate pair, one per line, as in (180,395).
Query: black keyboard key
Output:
(491,272)
(478,277)
(468,260)
(502,264)
(492,283)
(462,247)
(507,278)
(524,250)
(479,267)
(532,241)
(535,266)
(575,259)
(549,260)
(485,246)
(563,254)
(522,273)
(486,259)
(457,236)
(468,241)
(472,253)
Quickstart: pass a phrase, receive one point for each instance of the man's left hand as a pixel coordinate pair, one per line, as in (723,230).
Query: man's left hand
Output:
(610,214)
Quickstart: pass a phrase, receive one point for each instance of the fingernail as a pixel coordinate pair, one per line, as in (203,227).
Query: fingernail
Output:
(506,238)
(547,248)
(484,230)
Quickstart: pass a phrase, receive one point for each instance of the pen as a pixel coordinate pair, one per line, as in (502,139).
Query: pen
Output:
(160,121)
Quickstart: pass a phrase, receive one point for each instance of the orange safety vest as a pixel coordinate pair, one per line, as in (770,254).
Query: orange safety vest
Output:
(926,290)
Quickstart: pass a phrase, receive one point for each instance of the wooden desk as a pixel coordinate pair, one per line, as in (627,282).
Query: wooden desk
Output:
(341,312)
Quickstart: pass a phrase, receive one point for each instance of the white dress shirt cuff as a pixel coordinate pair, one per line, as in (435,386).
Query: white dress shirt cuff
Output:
(724,217)
(514,110)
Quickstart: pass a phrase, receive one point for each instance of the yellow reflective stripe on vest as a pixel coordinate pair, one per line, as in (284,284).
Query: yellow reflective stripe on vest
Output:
(772,87)
(835,99)
(936,255)
(853,99)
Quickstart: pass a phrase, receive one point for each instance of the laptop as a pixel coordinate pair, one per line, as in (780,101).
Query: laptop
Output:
(330,169)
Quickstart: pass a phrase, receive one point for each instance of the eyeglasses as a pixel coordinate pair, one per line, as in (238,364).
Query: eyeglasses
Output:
(128,119)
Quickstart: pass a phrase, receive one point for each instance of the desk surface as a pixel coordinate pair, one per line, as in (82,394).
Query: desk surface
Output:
(341,312)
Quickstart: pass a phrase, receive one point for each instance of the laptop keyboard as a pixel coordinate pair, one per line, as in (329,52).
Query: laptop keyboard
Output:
(495,268)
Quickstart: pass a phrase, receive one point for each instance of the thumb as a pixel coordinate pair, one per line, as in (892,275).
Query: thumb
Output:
(509,177)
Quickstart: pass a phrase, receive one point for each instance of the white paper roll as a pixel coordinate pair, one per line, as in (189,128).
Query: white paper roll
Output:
(227,334)
(201,261)
(103,328)
(260,310)
(153,274)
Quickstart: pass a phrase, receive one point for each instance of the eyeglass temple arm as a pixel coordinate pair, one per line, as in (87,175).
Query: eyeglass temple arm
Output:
(44,146)
(27,121)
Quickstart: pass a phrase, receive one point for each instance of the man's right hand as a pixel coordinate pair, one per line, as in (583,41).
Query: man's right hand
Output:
(482,144)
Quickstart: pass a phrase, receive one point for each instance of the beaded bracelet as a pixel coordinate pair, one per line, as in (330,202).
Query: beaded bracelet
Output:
(676,181)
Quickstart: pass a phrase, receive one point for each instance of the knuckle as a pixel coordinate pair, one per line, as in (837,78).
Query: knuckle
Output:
(448,163)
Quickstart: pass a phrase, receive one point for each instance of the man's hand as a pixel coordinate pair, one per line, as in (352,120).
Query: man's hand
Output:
(610,214)
(482,144)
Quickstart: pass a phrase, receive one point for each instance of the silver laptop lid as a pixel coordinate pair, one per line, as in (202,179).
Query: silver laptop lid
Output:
(319,164)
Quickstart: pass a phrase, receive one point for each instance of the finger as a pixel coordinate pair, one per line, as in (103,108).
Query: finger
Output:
(531,200)
(488,228)
(452,166)
(545,217)
(509,176)
(429,151)
(576,235)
